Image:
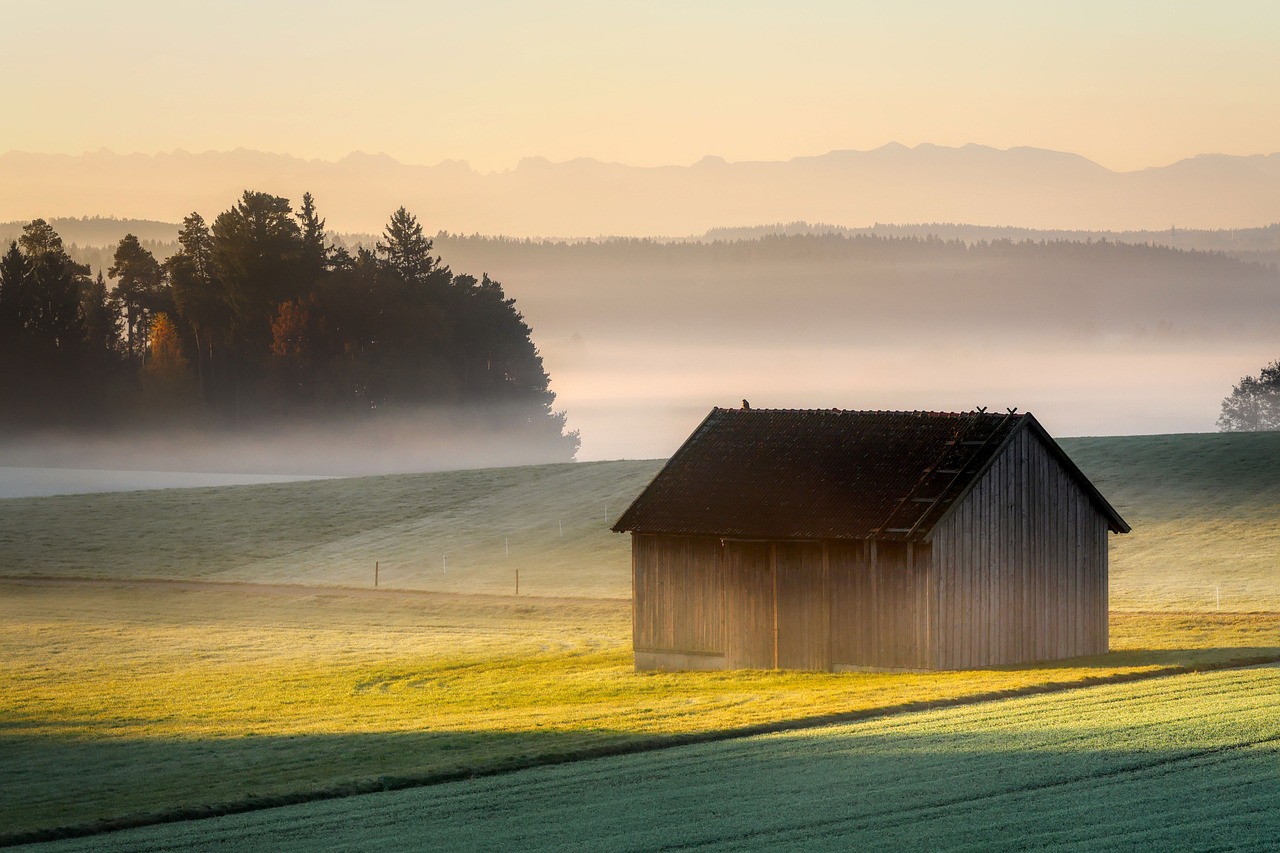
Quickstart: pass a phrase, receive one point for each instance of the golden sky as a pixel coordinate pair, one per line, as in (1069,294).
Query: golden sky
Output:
(1129,85)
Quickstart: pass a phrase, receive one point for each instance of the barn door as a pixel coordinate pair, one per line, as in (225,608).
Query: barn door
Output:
(802,606)
(748,611)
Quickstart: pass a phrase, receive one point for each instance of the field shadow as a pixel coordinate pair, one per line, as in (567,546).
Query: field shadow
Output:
(867,786)
(1189,659)
(82,783)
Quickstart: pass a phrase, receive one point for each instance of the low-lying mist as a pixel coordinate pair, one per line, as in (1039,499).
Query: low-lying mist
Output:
(421,439)
(642,338)
(1094,338)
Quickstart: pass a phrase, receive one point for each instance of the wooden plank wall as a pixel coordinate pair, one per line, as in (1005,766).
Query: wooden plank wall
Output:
(1019,567)
(879,604)
(853,593)
(749,612)
(678,594)
(801,601)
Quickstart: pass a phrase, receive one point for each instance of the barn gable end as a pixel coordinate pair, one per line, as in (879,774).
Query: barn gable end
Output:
(1020,564)
(886,540)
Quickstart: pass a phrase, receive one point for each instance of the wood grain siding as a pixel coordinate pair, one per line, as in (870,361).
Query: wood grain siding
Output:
(749,615)
(678,599)
(1020,566)
(880,601)
(852,600)
(801,606)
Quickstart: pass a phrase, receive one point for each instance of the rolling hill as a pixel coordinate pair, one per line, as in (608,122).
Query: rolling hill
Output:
(1205,509)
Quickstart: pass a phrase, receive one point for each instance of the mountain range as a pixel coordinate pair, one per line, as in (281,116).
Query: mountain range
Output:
(980,185)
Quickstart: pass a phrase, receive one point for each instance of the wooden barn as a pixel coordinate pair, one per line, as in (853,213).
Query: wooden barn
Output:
(836,540)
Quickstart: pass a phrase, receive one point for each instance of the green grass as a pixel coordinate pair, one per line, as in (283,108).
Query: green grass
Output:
(1205,511)
(459,531)
(1187,762)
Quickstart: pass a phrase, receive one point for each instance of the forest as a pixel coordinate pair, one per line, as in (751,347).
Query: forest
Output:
(260,318)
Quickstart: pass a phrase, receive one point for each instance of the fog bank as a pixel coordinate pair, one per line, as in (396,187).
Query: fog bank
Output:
(413,441)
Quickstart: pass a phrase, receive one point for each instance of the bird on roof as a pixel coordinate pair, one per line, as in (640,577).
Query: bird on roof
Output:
(746,407)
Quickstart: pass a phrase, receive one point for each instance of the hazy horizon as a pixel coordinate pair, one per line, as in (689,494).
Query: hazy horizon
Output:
(583,197)
(889,144)
(666,82)
(668,119)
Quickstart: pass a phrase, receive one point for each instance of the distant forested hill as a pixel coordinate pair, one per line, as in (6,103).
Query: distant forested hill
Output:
(805,286)
(92,238)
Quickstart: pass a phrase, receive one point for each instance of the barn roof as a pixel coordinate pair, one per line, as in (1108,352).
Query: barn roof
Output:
(830,474)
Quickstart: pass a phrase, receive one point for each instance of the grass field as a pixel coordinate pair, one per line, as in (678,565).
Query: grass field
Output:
(192,688)
(1188,763)
(123,697)
(458,531)
(1205,511)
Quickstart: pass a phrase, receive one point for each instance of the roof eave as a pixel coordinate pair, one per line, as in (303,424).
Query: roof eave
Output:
(1115,523)
(624,524)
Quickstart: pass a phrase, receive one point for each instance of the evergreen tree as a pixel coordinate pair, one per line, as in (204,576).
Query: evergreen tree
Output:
(54,285)
(315,254)
(101,311)
(140,288)
(257,252)
(405,249)
(17,309)
(199,298)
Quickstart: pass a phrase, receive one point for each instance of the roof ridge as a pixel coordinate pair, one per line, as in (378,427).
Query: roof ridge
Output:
(921,412)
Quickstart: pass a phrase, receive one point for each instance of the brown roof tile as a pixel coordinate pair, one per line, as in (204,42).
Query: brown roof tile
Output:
(821,474)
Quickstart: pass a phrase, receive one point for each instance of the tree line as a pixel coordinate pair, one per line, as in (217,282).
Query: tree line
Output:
(260,317)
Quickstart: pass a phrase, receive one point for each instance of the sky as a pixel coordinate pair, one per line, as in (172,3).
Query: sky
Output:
(1128,85)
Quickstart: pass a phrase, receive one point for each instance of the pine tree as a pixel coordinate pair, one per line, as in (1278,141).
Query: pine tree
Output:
(139,287)
(16,308)
(405,249)
(315,255)
(199,298)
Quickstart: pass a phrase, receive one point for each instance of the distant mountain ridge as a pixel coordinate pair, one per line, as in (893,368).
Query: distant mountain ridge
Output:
(1024,187)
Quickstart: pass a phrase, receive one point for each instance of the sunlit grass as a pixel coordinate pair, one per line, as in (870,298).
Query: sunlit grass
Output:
(120,698)
(1186,762)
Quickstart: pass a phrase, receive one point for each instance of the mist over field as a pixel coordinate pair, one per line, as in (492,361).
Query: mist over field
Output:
(420,439)
(642,339)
